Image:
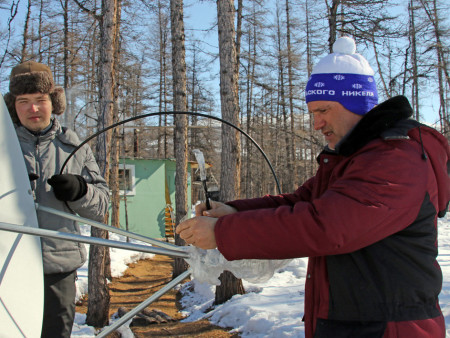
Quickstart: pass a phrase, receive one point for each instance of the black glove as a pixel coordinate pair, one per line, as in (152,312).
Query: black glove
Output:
(33,177)
(68,187)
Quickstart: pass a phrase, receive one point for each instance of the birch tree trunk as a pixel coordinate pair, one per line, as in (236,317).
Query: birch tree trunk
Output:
(180,137)
(332,22)
(309,66)
(231,147)
(294,182)
(442,70)
(251,61)
(115,145)
(162,103)
(40,24)
(286,182)
(414,61)
(65,8)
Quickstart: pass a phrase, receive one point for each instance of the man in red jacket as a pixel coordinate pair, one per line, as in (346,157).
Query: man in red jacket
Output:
(367,220)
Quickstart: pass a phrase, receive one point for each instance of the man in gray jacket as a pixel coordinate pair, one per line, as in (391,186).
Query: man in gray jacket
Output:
(32,100)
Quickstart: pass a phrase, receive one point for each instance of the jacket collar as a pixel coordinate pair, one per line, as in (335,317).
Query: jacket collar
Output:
(56,131)
(378,122)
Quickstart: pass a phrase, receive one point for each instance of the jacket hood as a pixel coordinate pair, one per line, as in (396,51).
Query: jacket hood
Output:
(392,120)
(437,151)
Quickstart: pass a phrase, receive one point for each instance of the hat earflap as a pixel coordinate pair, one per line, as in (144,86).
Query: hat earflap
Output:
(58,98)
(10,101)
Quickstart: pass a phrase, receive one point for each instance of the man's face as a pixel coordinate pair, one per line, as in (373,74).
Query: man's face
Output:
(34,111)
(333,120)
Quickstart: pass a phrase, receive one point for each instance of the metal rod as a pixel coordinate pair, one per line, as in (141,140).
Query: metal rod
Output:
(144,304)
(90,240)
(108,228)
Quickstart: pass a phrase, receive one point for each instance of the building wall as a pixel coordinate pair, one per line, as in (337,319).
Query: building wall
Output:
(145,206)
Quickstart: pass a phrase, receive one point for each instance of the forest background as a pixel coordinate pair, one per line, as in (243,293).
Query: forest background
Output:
(135,57)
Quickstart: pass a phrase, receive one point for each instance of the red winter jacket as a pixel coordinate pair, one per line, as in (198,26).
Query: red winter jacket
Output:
(367,221)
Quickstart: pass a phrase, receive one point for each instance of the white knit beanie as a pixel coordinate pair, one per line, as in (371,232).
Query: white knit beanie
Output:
(343,76)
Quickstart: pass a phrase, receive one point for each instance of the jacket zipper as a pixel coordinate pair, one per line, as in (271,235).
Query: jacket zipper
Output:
(37,164)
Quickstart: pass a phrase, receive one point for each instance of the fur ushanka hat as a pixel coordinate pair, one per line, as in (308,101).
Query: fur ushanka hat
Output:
(29,78)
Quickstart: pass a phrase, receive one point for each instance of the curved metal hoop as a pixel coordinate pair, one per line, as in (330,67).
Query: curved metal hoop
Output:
(176,113)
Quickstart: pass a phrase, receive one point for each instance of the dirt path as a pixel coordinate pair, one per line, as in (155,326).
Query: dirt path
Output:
(139,282)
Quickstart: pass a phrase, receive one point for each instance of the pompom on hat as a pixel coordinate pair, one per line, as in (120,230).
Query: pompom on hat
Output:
(343,76)
(32,77)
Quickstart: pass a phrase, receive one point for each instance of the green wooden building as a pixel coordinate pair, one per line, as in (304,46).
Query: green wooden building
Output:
(148,196)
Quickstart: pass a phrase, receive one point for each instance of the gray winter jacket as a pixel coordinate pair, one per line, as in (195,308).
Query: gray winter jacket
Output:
(44,155)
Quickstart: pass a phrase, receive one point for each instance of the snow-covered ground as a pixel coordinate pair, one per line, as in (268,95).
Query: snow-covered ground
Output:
(271,309)
(444,261)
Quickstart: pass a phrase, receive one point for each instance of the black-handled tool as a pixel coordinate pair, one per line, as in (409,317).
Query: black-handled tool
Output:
(202,167)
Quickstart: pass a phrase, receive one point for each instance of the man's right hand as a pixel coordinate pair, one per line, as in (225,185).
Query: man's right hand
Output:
(217,210)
